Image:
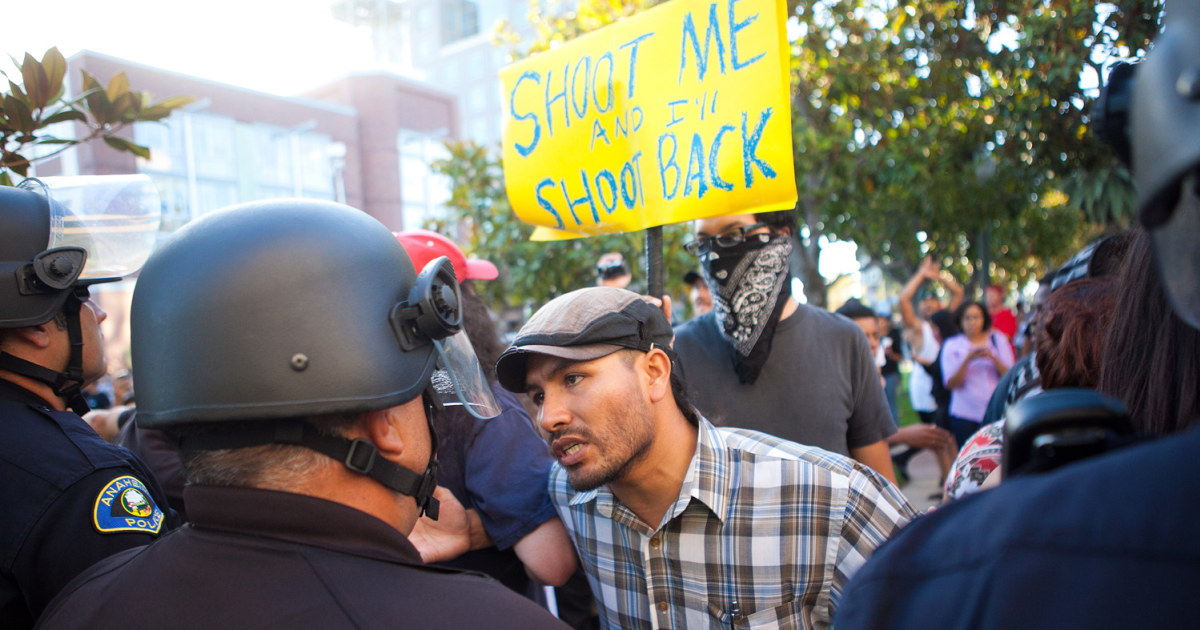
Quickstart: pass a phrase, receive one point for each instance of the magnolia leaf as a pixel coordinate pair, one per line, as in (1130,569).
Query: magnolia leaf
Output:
(121,144)
(65,115)
(37,85)
(56,70)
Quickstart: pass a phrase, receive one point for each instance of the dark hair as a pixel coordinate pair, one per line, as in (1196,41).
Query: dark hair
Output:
(1070,339)
(856,310)
(1151,357)
(678,383)
(962,310)
(481,330)
(944,321)
(778,220)
(1110,253)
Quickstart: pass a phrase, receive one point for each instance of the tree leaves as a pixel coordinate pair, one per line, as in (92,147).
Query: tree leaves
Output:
(37,103)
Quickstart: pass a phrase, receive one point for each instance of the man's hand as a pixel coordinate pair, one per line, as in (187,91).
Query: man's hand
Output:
(924,436)
(446,538)
(929,269)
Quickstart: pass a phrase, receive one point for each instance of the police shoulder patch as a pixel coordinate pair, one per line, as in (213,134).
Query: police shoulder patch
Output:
(125,505)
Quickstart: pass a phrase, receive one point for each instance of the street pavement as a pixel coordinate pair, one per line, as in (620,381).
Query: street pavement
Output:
(924,481)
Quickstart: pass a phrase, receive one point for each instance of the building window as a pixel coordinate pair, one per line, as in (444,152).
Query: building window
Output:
(202,162)
(423,193)
(460,20)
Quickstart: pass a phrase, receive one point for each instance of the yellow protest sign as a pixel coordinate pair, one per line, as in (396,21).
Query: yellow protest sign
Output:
(678,113)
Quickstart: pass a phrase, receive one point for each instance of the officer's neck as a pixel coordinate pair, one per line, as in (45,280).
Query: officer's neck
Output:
(37,388)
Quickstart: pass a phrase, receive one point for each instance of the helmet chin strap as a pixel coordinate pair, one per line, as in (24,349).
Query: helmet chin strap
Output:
(66,385)
(358,454)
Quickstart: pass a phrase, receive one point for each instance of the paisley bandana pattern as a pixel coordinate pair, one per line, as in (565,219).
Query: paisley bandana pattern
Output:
(749,286)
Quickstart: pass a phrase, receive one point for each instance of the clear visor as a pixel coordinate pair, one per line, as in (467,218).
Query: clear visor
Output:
(114,217)
(459,379)
(1178,257)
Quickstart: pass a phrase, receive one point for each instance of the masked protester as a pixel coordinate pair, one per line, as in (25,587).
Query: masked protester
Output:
(762,361)
(296,354)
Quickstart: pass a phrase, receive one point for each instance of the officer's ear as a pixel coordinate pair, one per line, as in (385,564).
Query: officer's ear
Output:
(38,337)
(392,430)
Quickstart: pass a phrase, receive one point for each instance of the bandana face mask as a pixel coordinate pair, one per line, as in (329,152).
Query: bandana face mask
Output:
(749,284)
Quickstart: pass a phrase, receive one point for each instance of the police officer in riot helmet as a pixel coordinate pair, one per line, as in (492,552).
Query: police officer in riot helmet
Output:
(69,498)
(1105,542)
(297,355)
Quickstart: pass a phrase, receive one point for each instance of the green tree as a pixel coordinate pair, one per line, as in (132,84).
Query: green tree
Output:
(536,271)
(29,107)
(940,127)
(967,122)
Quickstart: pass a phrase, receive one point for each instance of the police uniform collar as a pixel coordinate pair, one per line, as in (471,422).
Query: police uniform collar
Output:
(297,519)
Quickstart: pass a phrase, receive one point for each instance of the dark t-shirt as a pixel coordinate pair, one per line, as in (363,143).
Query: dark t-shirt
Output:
(819,386)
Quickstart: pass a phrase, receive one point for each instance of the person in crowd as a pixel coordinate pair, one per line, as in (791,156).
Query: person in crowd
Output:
(923,337)
(1085,545)
(972,363)
(698,294)
(310,453)
(891,354)
(1003,319)
(496,468)
(1069,352)
(70,498)
(915,436)
(678,523)
(611,271)
(763,361)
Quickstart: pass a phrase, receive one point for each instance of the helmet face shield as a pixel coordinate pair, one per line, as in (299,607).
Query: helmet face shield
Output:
(1177,254)
(459,379)
(115,218)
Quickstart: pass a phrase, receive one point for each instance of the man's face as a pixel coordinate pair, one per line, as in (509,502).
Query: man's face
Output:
(929,306)
(870,327)
(594,415)
(995,299)
(1037,306)
(95,361)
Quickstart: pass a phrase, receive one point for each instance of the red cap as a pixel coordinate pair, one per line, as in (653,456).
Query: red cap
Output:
(423,246)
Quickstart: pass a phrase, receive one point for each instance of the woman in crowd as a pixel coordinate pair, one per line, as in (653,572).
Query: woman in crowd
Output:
(972,363)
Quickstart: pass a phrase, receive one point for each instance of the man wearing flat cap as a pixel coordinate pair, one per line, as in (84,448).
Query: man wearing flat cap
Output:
(678,523)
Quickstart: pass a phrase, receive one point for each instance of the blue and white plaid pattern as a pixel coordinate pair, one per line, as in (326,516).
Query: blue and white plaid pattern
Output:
(765,534)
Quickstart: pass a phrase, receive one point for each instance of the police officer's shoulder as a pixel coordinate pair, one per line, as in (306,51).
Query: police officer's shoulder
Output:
(60,450)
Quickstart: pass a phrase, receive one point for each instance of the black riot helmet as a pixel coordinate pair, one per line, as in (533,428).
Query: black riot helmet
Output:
(254,317)
(1164,128)
(59,235)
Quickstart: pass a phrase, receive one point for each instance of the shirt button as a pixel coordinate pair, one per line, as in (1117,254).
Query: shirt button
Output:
(662,607)
(654,543)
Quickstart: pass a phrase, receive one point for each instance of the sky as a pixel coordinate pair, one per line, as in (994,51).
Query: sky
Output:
(276,46)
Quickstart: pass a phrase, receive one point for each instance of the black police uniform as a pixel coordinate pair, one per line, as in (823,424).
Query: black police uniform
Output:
(254,558)
(67,500)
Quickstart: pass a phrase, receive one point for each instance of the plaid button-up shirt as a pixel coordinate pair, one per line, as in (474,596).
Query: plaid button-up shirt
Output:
(764,534)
